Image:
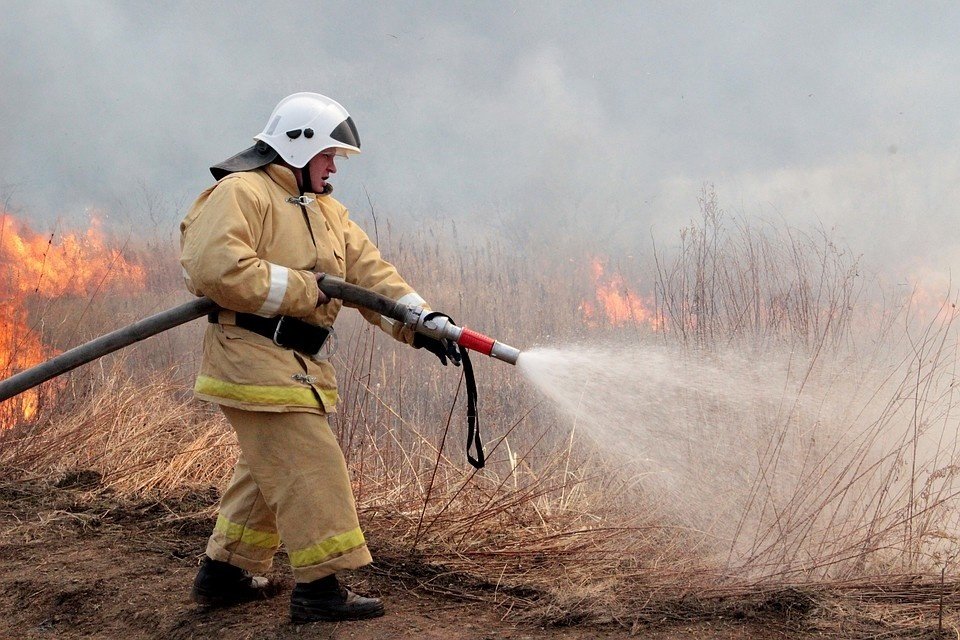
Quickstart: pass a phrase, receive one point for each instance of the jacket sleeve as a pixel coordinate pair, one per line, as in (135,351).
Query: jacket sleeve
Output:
(218,240)
(365,267)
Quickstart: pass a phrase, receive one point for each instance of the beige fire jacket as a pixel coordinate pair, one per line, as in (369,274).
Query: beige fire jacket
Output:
(247,244)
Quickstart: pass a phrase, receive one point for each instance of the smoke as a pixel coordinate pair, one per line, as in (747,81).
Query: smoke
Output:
(526,120)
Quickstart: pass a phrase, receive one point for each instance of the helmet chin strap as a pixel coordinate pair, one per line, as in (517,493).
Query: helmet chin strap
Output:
(306,185)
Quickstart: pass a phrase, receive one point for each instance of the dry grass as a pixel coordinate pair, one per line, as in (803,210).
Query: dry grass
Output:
(555,527)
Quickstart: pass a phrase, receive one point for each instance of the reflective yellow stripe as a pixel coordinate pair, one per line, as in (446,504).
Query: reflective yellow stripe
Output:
(335,546)
(234,532)
(329,397)
(257,394)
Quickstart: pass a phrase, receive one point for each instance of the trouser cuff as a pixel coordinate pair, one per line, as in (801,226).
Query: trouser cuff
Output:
(258,565)
(353,559)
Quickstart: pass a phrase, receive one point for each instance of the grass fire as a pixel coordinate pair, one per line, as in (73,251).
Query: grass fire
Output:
(36,269)
(476,320)
(740,427)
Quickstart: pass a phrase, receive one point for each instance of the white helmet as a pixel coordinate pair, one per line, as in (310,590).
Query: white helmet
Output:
(304,124)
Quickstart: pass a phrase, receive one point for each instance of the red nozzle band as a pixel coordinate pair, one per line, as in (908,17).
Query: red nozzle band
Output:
(474,341)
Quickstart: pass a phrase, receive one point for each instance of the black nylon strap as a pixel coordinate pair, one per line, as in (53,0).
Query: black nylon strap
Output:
(473,425)
(258,324)
(294,333)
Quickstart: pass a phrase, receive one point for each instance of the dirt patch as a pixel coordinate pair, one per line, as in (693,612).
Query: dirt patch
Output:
(79,563)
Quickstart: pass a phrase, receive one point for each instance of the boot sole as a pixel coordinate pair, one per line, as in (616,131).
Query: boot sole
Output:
(304,617)
(214,600)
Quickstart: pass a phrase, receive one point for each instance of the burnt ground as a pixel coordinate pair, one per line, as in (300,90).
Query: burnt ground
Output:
(79,563)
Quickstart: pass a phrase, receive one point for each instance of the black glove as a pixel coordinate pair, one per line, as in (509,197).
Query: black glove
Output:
(443,349)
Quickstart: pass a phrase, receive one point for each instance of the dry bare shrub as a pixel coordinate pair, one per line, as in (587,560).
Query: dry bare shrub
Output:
(770,283)
(856,467)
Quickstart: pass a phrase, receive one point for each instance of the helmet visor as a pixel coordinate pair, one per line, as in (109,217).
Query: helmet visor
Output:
(346,132)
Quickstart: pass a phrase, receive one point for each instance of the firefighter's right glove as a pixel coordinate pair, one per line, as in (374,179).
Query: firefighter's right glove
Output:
(443,349)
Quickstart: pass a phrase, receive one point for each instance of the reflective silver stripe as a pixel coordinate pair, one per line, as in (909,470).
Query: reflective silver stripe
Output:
(278,287)
(412,299)
(273,126)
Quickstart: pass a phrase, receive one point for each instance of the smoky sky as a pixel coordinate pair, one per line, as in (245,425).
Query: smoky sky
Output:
(600,120)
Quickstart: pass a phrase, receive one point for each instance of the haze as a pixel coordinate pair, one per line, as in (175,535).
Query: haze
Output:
(601,119)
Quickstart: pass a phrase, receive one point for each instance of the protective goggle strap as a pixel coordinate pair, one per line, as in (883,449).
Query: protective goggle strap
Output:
(473,426)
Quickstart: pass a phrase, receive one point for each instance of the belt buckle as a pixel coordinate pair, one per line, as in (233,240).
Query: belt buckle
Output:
(328,348)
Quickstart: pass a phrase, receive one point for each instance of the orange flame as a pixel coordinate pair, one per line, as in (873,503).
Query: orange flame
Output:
(616,303)
(930,295)
(34,265)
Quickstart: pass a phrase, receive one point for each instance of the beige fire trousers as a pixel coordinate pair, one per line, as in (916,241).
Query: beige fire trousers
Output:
(290,483)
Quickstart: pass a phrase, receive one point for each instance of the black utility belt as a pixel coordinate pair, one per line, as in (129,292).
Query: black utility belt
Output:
(285,331)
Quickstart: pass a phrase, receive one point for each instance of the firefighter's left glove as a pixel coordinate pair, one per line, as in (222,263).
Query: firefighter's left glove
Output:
(443,349)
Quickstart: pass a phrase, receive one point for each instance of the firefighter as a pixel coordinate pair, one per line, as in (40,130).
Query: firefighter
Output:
(256,242)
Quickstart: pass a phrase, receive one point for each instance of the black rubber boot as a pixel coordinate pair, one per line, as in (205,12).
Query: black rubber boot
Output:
(326,600)
(219,584)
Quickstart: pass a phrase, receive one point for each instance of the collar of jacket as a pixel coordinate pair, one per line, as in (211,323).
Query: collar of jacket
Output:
(285,178)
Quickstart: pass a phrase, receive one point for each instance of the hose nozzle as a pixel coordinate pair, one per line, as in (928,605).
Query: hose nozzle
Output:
(441,328)
(475,341)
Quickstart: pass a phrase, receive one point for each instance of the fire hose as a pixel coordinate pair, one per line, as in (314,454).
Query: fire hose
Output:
(422,321)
